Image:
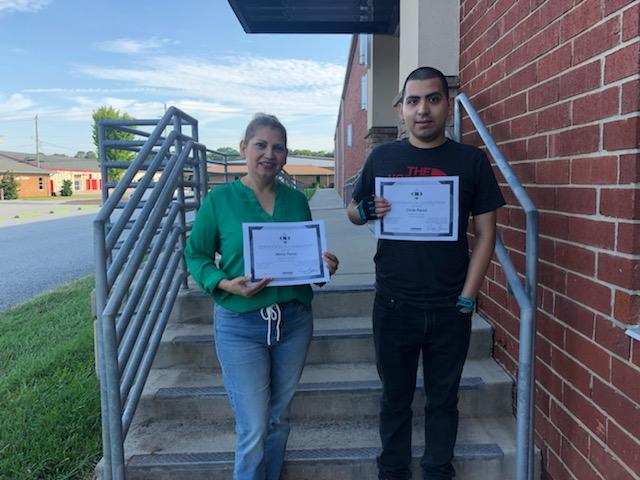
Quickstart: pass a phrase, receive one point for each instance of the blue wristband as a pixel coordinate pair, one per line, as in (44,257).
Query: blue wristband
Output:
(465,304)
(367,209)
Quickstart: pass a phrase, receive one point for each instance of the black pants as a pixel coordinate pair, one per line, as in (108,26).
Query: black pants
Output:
(401,332)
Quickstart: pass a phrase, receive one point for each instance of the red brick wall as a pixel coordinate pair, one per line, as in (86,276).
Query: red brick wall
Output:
(557,83)
(354,156)
(29,185)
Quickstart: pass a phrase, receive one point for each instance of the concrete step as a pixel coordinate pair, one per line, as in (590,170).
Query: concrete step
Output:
(335,340)
(194,306)
(328,392)
(172,450)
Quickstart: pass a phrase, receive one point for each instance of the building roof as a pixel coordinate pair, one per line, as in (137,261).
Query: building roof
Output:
(10,165)
(290,169)
(55,162)
(312,16)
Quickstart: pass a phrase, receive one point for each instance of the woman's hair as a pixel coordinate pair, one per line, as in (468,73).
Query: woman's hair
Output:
(261,120)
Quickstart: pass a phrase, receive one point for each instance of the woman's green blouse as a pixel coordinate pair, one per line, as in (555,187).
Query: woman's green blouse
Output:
(218,229)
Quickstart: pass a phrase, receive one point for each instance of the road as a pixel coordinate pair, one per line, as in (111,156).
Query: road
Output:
(39,256)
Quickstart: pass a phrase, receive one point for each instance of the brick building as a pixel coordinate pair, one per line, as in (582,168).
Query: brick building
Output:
(351,127)
(557,84)
(83,173)
(32,181)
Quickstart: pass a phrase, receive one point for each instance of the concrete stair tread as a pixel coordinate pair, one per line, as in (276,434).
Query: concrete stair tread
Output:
(187,437)
(188,381)
(322,327)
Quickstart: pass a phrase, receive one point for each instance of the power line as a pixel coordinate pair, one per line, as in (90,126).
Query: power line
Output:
(58,146)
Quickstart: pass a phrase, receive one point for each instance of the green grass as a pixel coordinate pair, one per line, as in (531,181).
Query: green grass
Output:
(49,395)
(309,192)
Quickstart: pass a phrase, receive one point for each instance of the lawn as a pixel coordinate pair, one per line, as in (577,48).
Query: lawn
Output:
(49,396)
(308,192)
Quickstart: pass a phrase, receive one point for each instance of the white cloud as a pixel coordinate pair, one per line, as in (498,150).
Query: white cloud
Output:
(15,103)
(89,90)
(22,5)
(286,87)
(131,46)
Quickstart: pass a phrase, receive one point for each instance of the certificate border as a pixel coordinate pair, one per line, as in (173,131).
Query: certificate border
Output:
(448,235)
(315,225)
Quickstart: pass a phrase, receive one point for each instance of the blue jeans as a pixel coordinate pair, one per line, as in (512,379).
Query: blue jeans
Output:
(261,380)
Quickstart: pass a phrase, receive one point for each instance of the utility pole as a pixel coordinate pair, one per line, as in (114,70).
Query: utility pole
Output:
(37,144)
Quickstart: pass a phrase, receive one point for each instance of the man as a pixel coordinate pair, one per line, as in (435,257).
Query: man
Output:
(426,290)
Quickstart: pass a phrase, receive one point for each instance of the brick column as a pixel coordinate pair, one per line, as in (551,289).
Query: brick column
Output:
(379,135)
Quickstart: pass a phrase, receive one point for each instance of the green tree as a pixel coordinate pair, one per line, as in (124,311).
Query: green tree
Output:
(66,190)
(305,152)
(109,113)
(9,185)
(228,151)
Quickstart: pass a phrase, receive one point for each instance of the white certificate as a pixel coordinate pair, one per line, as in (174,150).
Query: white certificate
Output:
(422,208)
(288,252)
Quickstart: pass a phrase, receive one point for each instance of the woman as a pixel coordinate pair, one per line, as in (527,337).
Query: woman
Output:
(261,334)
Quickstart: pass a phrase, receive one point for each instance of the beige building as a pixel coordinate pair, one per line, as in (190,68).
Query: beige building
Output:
(304,175)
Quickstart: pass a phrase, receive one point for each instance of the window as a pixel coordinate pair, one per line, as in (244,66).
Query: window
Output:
(349,135)
(40,183)
(363,52)
(363,92)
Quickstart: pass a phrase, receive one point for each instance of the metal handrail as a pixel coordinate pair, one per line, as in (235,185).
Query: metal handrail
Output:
(525,294)
(349,185)
(139,260)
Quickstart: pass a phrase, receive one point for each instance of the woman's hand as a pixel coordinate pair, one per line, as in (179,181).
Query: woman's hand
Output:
(331,261)
(242,286)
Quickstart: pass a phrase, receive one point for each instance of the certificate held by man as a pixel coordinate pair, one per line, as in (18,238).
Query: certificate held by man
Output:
(288,252)
(422,208)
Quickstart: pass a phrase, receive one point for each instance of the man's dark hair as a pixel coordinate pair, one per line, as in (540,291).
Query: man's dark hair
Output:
(427,73)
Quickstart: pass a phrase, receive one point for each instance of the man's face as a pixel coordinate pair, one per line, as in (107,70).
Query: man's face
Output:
(425,109)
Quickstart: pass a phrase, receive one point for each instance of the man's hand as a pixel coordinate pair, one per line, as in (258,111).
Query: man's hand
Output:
(242,286)
(376,207)
(382,206)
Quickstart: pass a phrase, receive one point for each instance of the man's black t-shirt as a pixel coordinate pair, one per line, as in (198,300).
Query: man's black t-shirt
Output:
(429,274)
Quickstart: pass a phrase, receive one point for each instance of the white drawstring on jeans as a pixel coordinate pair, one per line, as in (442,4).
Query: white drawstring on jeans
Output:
(272,312)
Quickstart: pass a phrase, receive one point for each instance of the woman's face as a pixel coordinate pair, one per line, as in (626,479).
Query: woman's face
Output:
(265,153)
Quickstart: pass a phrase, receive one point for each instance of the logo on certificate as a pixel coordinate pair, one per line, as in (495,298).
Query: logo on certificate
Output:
(284,238)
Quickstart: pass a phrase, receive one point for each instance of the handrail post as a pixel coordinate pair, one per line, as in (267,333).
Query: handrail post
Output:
(112,376)
(181,199)
(100,258)
(532,283)
(457,121)
(102,155)
(204,177)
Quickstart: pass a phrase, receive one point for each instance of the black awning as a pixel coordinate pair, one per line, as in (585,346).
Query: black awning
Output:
(317,16)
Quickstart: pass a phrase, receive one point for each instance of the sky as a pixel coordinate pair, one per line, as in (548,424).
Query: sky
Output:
(62,59)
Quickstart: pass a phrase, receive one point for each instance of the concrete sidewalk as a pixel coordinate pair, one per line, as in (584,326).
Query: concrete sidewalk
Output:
(19,212)
(353,245)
